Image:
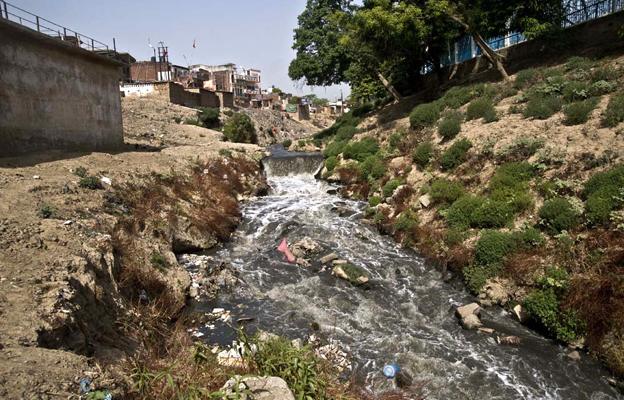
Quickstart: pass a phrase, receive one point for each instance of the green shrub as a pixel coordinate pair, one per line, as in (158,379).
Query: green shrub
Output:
(457,96)
(476,276)
(543,308)
(374,201)
(557,214)
(614,114)
(46,211)
(390,186)
(579,112)
(298,366)
(361,150)
(394,140)
(444,191)
(209,117)
(228,113)
(459,215)
(450,125)
(331,162)
(192,121)
(425,115)
(240,129)
(542,107)
(362,109)
(81,172)
(406,221)
(373,167)
(454,236)
(604,193)
(526,78)
(605,73)
(575,91)
(492,214)
(90,182)
(510,185)
(493,246)
(334,148)
(345,133)
(455,155)
(600,88)
(422,154)
(528,238)
(577,63)
(287,143)
(225,152)
(158,261)
(482,107)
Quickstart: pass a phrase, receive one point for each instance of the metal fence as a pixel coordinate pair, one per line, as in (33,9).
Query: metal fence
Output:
(13,13)
(577,12)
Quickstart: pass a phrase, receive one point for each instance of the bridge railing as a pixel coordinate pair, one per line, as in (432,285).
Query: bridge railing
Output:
(18,15)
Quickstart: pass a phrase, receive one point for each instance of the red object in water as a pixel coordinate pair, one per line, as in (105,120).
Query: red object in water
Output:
(283,248)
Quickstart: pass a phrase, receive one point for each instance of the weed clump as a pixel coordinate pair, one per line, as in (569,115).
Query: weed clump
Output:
(455,155)
(579,112)
(209,117)
(240,129)
(604,193)
(542,107)
(330,163)
(158,261)
(390,186)
(407,221)
(425,115)
(527,78)
(460,214)
(361,150)
(614,114)
(543,306)
(444,191)
(90,182)
(450,125)
(423,153)
(81,172)
(299,367)
(373,167)
(287,143)
(492,214)
(345,133)
(334,148)
(46,211)
(482,107)
(557,214)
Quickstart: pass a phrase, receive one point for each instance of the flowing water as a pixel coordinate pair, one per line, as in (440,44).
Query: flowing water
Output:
(405,316)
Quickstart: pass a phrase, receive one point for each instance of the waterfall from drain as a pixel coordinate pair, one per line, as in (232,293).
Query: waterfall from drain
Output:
(407,314)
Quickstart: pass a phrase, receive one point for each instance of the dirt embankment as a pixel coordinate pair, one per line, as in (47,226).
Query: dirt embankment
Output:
(276,127)
(88,242)
(516,187)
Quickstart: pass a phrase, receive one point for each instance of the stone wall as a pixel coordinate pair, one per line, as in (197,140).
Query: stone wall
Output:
(55,96)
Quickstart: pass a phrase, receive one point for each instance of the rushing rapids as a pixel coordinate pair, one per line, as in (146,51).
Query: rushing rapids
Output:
(405,316)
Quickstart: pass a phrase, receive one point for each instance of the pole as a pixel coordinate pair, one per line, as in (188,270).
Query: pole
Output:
(114,46)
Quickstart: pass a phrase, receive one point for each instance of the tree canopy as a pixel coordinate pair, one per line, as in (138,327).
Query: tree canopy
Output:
(382,46)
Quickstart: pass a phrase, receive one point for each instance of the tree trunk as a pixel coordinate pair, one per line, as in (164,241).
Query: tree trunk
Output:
(389,87)
(493,57)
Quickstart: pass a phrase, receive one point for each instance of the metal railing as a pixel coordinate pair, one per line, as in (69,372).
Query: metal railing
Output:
(464,49)
(18,15)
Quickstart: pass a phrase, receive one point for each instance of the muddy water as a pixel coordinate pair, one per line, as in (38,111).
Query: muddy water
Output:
(406,316)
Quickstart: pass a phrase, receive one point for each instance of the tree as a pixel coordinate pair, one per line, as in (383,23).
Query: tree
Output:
(492,18)
(240,129)
(320,61)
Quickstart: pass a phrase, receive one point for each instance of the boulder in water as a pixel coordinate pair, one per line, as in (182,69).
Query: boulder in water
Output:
(351,273)
(518,313)
(328,258)
(469,316)
(574,355)
(509,340)
(305,247)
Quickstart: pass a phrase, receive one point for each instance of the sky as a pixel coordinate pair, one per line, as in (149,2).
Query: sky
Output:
(250,33)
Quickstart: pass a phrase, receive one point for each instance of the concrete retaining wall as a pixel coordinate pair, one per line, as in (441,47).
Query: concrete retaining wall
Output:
(55,96)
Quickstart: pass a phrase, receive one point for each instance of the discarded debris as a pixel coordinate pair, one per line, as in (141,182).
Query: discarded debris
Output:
(283,248)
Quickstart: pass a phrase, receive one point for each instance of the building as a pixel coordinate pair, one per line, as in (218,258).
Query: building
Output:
(156,71)
(244,83)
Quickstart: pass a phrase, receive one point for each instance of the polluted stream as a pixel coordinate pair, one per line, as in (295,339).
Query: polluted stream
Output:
(404,316)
